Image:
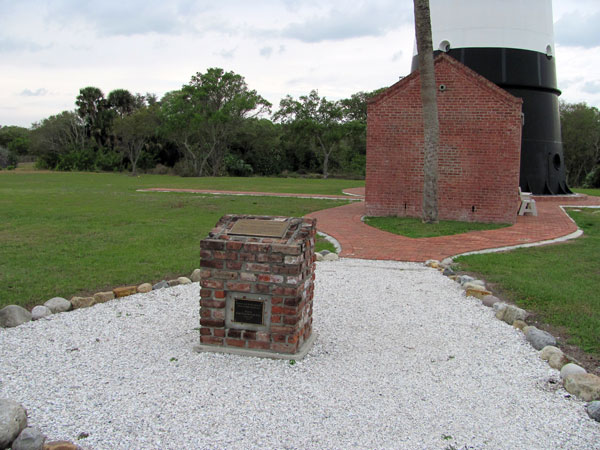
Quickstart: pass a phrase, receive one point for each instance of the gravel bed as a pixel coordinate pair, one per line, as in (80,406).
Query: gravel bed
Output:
(402,360)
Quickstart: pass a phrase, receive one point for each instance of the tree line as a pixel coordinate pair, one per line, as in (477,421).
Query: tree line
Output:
(580,126)
(214,125)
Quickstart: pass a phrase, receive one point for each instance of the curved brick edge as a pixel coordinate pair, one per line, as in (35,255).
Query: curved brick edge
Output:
(565,238)
(511,315)
(332,240)
(359,240)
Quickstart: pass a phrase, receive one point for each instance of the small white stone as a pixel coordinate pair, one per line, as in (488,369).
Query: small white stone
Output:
(184,280)
(195,276)
(548,351)
(571,369)
(473,286)
(58,304)
(39,312)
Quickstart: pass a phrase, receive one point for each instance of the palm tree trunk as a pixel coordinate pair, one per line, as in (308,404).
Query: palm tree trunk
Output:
(430,113)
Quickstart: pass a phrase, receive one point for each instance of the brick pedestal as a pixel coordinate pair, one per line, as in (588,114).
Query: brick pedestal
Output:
(257,290)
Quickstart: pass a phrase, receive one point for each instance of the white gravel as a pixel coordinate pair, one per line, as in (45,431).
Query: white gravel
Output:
(402,360)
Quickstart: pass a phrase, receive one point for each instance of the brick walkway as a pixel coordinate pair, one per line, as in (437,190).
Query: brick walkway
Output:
(252,194)
(362,241)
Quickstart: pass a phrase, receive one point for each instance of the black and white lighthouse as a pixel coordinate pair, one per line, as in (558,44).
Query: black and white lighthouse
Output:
(511,43)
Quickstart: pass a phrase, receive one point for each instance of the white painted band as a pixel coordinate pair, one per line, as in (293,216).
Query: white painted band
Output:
(518,24)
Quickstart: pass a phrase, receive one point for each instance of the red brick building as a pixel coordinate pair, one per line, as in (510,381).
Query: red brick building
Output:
(479,150)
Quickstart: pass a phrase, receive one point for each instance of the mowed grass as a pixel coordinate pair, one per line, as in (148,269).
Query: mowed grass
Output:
(560,282)
(65,234)
(415,228)
(594,192)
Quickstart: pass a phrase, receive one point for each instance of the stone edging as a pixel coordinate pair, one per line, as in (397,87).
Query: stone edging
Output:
(16,433)
(14,315)
(575,378)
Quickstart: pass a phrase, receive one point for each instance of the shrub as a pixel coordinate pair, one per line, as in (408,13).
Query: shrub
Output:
(76,160)
(108,161)
(8,159)
(184,169)
(592,179)
(237,167)
(160,170)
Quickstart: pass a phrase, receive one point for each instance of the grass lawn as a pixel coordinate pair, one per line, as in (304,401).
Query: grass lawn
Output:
(415,228)
(323,244)
(594,192)
(561,282)
(63,234)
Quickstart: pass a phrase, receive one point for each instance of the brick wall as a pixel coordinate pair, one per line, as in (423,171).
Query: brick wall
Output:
(276,271)
(479,152)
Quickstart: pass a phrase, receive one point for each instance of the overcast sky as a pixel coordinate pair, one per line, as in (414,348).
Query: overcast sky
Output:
(49,49)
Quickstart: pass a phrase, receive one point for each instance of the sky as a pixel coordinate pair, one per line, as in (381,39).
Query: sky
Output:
(49,49)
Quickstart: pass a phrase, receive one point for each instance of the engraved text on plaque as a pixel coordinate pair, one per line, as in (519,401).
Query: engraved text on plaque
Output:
(248,311)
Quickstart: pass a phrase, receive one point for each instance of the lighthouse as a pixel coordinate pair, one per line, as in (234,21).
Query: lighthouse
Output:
(511,43)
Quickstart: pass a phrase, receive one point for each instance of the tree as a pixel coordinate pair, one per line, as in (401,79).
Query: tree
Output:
(15,139)
(355,107)
(7,159)
(123,103)
(57,135)
(580,126)
(430,113)
(319,119)
(134,132)
(204,116)
(353,157)
(93,108)
(258,143)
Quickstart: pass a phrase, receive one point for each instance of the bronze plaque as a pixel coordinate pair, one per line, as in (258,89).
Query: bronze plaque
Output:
(248,311)
(256,227)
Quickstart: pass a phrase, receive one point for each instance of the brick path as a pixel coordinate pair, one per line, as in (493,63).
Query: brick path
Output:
(362,241)
(252,194)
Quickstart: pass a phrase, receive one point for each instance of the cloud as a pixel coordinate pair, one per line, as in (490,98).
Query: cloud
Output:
(126,18)
(591,87)
(368,19)
(227,54)
(566,83)
(37,93)
(266,51)
(20,45)
(397,56)
(577,30)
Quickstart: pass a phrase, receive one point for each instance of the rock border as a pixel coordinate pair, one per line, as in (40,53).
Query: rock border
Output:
(26,437)
(15,315)
(16,433)
(575,379)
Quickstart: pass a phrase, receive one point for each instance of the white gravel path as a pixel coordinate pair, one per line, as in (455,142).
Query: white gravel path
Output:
(402,360)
